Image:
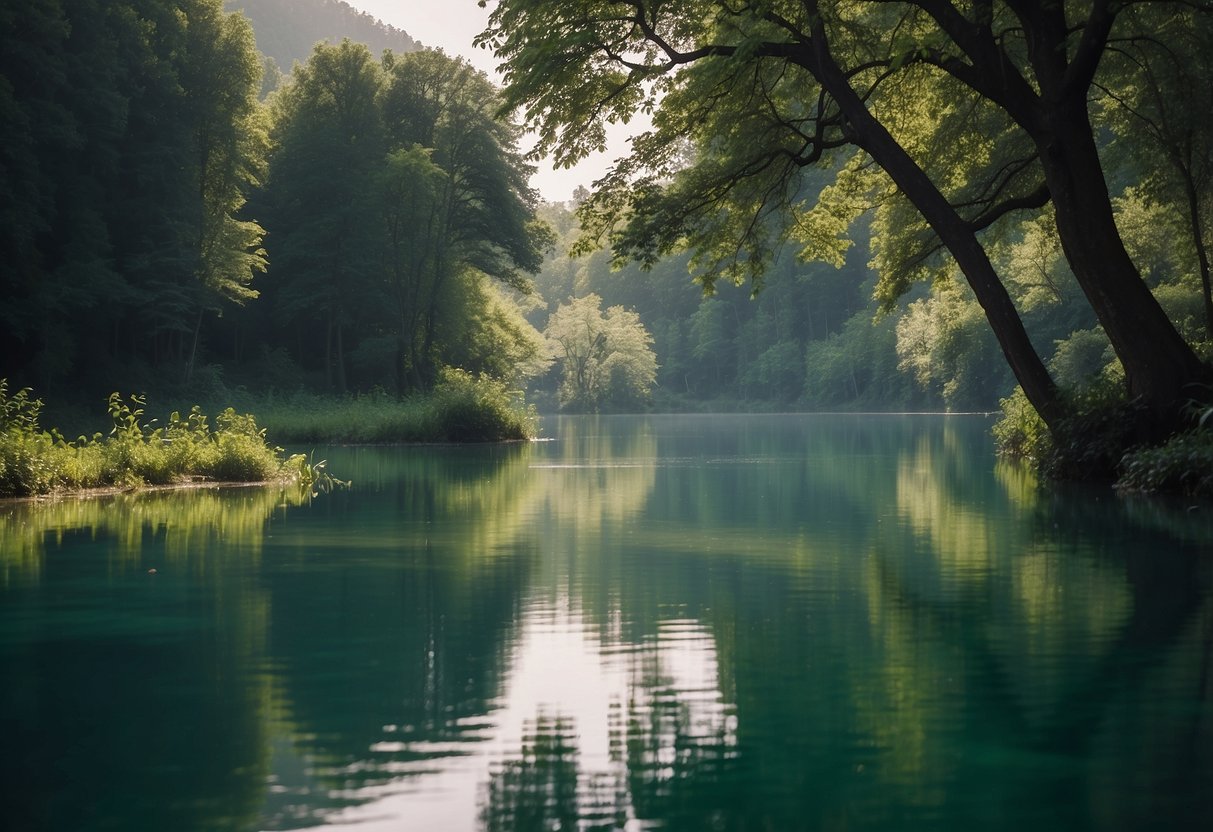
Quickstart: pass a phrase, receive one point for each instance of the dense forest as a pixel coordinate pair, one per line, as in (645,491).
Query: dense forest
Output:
(182,217)
(815,337)
(165,230)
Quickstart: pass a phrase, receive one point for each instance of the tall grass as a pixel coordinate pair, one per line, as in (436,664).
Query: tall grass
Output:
(461,408)
(187,448)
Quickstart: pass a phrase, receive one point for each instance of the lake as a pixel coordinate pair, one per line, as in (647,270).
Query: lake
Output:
(640,623)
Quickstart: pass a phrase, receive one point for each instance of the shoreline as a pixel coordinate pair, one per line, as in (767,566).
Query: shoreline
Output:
(110,491)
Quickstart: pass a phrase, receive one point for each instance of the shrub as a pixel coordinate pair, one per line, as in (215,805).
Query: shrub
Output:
(1090,441)
(243,453)
(34,461)
(1184,464)
(25,451)
(471,408)
(1099,439)
(1021,433)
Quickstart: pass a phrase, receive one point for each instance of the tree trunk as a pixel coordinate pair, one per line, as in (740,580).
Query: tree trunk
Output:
(1202,251)
(189,368)
(1161,370)
(955,234)
(341,385)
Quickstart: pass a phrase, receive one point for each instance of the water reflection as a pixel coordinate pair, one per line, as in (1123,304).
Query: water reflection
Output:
(676,623)
(177,525)
(118,708)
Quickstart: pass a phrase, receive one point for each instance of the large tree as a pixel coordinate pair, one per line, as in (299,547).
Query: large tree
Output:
(606,359)
(396,194)
(975,112)
(1159,110)
(322,201)
(456,202)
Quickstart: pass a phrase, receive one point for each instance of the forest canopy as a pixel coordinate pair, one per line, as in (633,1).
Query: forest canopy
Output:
(951,126)
(367,225)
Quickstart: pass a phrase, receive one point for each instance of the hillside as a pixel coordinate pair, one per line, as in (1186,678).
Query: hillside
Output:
(288,29)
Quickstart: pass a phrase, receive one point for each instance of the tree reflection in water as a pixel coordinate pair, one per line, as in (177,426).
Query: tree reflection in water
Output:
(684,623)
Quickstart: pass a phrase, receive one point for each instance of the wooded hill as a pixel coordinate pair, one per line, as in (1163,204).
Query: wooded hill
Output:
(286,30)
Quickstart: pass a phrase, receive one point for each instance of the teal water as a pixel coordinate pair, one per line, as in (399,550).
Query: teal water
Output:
(642,623)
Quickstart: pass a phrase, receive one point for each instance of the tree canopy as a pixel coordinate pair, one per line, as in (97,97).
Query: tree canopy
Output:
(605,358)
(160,225)
(974,116)
(395,193)
(132,138)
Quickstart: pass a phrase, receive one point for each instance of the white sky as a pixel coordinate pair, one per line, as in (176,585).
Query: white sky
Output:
(451,25)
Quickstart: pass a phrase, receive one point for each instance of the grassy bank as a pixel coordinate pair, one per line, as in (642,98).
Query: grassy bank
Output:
(462,408)
(136,453)
(236,447)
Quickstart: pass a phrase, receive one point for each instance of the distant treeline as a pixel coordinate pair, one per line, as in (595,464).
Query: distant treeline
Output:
(814,337)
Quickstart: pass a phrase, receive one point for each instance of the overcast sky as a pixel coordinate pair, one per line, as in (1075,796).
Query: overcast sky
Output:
(451,25)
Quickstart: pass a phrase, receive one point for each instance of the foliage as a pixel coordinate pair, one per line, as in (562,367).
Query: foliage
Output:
(1020,433)
(951,123)
(396,199)
(137,166)
(472,408)
(1182,465)
(807,339)
(1157,118)
(132,138)
(606,359)
(35,461)
(462,408)
(944,342)
(1096,442)
(857,368)
(1099,428)
(1082,359)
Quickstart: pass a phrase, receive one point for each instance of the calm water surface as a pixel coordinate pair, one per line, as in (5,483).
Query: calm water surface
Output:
(654,623)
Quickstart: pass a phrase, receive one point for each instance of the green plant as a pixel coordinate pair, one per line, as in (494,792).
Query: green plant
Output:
(1021,433)
(34,461)
(315,476)
(1099,428)
(1183,464)
(478,409)
(462,408)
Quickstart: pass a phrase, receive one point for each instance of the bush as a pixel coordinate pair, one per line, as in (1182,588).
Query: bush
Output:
(34,461)
(1101,426)
(1021,433)
(1184,465)
(1087,444)
(1099,439)
(462,408)
(471,408)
